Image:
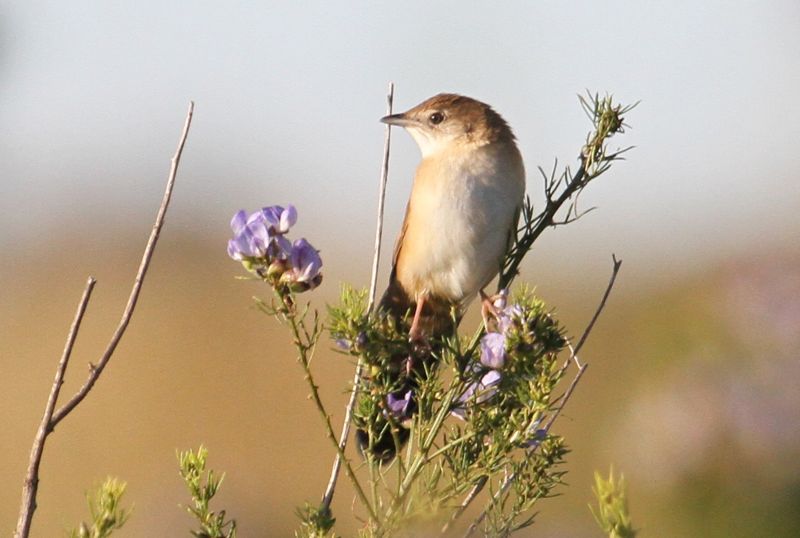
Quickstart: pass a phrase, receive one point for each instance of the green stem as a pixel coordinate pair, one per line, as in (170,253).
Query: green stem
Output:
(450,445)
(421,458)
(303,348)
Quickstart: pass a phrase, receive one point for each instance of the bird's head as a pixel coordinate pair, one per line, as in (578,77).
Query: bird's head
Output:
(447,121)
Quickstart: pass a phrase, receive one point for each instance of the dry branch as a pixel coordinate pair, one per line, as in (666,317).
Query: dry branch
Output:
(51,418)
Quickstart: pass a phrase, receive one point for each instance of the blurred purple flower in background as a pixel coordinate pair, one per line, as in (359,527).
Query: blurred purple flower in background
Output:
(344,344)
(537,435)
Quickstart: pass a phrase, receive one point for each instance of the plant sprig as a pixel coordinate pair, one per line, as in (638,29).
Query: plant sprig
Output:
(607,120)
(107,514)
(203,486)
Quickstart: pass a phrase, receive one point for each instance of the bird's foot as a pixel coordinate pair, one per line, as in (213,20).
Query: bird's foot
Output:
(491,305)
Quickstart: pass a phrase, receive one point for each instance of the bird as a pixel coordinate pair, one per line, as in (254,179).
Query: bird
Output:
(461,216)
(462,213)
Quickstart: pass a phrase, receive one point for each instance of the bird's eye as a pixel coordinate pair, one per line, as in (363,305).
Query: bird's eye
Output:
(436,118)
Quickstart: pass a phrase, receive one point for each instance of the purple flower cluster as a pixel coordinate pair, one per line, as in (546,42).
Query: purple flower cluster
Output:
(493,357)
(259,242)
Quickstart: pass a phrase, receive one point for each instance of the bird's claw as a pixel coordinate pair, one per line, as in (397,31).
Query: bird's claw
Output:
(491,306)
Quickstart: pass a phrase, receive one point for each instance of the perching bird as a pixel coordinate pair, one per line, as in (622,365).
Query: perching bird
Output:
(464,206)
(462,213)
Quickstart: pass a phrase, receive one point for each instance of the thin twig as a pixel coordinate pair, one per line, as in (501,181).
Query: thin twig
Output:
(573,351)
(614,273)
(545,220)
(31,485)
(476,489)
(348,415)
(51,418)
(594,161)
(373,283)
(564,398)
(96,370)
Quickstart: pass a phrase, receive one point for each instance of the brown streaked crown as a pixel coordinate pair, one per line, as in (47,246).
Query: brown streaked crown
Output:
(478,120)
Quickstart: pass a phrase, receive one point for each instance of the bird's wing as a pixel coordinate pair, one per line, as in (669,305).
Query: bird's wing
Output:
(395,299)
(512,236)
(399,244)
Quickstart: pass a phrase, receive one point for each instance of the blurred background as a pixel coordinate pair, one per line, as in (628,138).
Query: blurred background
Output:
(692,391)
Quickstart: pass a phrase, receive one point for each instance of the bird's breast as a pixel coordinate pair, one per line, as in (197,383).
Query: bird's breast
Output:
(461,211)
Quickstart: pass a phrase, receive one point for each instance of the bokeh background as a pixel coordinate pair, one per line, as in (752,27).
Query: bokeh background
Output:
(692,390)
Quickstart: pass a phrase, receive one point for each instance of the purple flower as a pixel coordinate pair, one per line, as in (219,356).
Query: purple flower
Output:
(487,386)
(259,243)
(305,261)
(501,299)
(280,248)
(478,392)
(507,316)
(538,436)
(250,236)
(260,234)
(493,350)
(278,219)
(400,405)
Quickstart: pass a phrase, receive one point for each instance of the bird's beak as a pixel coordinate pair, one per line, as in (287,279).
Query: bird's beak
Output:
(401,120)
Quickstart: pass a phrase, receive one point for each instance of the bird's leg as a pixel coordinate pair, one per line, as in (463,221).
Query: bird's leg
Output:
(415,334)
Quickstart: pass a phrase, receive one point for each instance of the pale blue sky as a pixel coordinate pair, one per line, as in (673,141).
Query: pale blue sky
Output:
(93,94)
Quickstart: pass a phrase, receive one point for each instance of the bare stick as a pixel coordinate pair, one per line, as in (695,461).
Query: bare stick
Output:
(373,284)
(51,418)
(348,415)
(96,370)
(31,486)
(564,399)
(615,272)
(573,351)
(476,489)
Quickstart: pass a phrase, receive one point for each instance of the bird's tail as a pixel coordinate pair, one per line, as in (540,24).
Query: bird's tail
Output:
(407,370)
